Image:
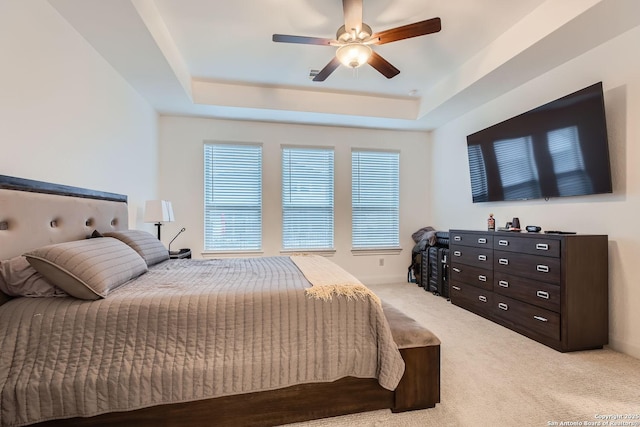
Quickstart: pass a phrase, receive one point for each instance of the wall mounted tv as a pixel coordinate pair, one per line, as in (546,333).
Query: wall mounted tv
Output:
(558,149)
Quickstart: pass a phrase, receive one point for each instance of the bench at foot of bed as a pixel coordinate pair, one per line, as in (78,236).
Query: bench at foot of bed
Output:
(420,349)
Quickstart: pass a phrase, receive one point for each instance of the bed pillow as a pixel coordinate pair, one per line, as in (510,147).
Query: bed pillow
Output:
(4,298)
(19,279)
(145,244)
(87,269)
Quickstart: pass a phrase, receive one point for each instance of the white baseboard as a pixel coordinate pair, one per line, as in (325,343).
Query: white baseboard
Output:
(381,280)
(624,347)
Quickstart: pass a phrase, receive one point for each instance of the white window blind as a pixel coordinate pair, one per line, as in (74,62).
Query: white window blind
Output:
(232,197)
(307,198)
(375,199)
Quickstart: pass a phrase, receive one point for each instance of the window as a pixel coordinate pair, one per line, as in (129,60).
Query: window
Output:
(307,198)
(232,197)
(375,188)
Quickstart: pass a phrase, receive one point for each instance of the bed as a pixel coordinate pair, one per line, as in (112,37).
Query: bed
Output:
(244,341)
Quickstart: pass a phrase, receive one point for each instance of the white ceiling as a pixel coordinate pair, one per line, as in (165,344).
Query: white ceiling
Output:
(216,59)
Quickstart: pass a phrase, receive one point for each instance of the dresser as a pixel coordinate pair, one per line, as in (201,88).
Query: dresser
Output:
(551,288)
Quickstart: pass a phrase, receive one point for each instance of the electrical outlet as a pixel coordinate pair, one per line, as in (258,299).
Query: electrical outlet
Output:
(381,262)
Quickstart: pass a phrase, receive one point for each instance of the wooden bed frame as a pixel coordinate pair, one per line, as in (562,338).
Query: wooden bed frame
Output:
(418,389)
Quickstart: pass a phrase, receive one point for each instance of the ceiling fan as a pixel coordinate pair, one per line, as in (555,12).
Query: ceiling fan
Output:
(354,38)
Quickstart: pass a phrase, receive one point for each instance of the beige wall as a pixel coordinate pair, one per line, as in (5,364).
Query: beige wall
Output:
(615,214)
(181,163)
(65,115)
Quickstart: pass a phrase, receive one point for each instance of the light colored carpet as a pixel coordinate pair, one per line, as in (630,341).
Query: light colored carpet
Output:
(491,376)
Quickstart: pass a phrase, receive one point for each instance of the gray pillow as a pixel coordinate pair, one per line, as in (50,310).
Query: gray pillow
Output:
(145,244)
(19,279)
(87,269)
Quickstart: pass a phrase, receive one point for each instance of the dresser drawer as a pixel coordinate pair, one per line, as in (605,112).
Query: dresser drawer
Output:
(471,275)
(470,239)
(542,294)
(533,246)
(534,267)
(471,298)
(479,257)
(527,316)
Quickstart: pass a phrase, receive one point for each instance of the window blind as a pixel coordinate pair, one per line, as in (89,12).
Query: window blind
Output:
(375,199)
(307,198)
(232,197)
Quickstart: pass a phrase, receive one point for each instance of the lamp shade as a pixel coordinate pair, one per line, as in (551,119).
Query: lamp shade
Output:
(158,211)
(354,54)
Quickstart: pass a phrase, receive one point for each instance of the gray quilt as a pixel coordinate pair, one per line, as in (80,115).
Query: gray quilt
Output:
(186,330)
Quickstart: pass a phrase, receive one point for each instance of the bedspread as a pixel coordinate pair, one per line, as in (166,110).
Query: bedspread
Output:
(186,330)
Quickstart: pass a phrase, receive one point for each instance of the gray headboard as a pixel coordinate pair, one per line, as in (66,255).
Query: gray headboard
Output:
(36,213)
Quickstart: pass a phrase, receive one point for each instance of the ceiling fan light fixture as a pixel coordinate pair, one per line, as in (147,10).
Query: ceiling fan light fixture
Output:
(354,55)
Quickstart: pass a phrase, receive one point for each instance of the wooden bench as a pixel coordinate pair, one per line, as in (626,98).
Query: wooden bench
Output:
(420,349)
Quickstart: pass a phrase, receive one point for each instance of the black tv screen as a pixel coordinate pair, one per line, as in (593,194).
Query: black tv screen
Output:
(558,149)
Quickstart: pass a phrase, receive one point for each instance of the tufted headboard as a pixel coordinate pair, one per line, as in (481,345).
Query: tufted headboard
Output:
(35,213)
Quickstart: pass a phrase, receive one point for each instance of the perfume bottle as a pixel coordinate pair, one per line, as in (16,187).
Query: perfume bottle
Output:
(491,223)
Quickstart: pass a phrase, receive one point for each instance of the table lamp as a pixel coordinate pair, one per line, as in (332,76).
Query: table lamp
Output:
(158,211)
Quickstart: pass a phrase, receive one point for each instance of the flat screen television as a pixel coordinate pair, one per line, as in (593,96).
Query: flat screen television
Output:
(558,149)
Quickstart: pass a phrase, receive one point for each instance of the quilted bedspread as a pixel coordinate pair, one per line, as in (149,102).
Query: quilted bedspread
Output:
(186,330)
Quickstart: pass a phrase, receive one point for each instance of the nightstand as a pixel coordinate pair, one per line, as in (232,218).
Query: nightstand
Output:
(181,254)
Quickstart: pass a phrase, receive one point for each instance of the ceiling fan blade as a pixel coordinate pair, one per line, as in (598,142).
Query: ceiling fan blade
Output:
(327,70)
(416,29)
(283,38)
(382,65)
(352,15)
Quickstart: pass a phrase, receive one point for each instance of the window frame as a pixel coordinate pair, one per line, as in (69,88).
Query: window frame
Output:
(255,249)
(394,248)
(285,246)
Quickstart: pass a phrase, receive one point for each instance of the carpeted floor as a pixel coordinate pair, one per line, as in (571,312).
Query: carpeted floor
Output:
(491,376)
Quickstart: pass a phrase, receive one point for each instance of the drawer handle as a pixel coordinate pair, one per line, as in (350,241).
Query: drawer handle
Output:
(482,278)
(457,238)
(540,318)
(482,298)
(456,288)
(456,253)
(542,268)
(503,242)
(542,246)
(482,257)
(503,261)
(542,294)
(456,269)
(482,240)
(503,306)
(503,283)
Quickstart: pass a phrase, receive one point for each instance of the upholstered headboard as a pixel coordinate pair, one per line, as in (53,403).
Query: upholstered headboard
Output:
(35,213)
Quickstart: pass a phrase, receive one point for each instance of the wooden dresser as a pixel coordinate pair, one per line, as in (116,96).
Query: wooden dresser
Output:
(551,288)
